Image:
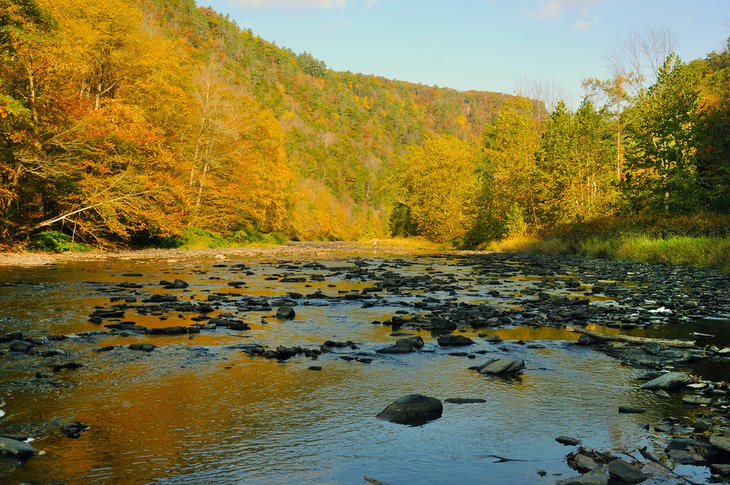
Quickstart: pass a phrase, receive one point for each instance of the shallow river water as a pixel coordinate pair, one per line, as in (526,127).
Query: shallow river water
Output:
(199,410)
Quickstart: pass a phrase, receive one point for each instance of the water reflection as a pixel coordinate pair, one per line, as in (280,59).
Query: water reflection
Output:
(198,410)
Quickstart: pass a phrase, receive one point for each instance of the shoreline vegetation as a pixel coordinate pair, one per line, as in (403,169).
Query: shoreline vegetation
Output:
(709,252)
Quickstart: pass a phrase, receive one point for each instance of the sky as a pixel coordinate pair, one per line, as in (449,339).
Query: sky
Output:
(488,45)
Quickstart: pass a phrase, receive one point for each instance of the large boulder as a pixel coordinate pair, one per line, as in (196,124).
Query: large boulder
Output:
(413,409)
(501,366)
(594,477)
(16,449)
(668,381)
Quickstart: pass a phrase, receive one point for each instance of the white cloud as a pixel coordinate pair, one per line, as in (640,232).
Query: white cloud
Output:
(550,9)
(582,25)
(370,4)
(291,3)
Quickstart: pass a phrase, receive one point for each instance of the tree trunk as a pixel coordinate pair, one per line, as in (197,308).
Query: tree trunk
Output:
(680,344)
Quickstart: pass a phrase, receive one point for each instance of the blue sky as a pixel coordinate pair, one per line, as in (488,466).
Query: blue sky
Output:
(491,45)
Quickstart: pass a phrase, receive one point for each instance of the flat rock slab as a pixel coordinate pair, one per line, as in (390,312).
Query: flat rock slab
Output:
(413,409)
(501,366)
(668,381)
(16,449)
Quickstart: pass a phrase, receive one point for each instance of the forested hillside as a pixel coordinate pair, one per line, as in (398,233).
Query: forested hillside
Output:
(134,121)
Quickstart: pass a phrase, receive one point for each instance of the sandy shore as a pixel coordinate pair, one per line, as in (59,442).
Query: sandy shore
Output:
(314,250)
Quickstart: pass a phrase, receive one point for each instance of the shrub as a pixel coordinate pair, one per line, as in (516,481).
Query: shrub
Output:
(56,242)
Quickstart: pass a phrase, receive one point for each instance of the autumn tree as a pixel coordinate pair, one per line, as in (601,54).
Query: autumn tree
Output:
(436,180)
(507,199)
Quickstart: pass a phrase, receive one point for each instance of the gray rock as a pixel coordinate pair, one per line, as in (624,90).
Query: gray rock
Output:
(413,409)
(695,400)
(595,477)
(625,471)
(413,341)
(20,346)
(720,442)
(285,313)
(454,341)
(16,449)
(501,366)
(585,463)
(567,441)
(668,381)
(720,469)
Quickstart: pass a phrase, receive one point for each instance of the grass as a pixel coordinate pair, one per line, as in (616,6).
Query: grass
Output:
(403,243)
(701,251)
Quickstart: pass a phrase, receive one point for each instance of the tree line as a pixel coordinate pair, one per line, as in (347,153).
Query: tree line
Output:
(630,151)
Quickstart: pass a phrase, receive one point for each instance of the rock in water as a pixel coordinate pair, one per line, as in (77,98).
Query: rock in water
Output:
(74,430)
(285,312)
(670,380)
(16,449)
(626,472)
(454,340)
(413,409)
(568,440)
(501,366)
(720,442)
(595,477)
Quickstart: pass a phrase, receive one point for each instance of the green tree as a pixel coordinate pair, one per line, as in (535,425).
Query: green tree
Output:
(661,151)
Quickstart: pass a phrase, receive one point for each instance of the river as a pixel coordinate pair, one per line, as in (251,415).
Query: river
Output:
(198,409)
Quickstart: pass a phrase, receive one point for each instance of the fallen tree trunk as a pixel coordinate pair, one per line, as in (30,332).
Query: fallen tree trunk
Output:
(680,344)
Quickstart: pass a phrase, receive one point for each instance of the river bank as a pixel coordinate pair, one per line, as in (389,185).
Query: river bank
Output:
(287,355)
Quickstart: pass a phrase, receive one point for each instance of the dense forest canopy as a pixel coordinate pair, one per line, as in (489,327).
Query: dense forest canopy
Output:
(136,121)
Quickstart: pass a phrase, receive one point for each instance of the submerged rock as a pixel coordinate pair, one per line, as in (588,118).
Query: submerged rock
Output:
(16,449)
(465,400)
(413,409)
(668,381)
(74,430)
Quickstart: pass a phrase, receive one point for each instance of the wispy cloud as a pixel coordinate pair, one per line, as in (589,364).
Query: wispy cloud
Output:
(291,3)
(370,4)
(582,25)
(551,9)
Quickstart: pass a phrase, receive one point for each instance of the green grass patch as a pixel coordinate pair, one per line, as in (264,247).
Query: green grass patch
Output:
(56,242)
(196,238)
(703,252)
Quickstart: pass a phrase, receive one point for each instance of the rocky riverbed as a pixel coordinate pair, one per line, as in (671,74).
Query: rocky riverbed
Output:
(155,366)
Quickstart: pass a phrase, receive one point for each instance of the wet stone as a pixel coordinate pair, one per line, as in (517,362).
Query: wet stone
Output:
(568,440)
(625,471)
(142,347)
(413,409)
(74,430)
(594,477)
(285,313)
(16,449)
(454,341)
